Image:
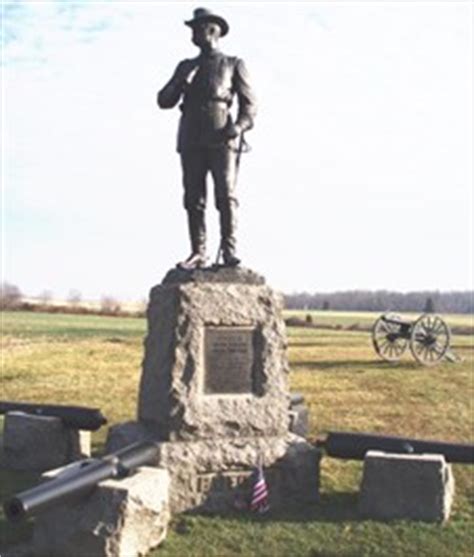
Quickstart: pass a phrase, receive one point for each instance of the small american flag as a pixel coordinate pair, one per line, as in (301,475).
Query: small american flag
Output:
(259,500)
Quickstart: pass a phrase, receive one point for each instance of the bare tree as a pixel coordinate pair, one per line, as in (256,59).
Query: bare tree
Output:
(109,305)
(74,297)
(142,307)
(45,297)
(429,305)
(10,296)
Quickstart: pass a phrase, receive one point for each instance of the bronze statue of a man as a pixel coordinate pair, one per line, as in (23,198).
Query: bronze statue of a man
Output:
(208,138)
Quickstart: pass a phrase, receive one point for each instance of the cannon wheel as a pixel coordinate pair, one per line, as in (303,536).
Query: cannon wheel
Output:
(386,340)
(429,341)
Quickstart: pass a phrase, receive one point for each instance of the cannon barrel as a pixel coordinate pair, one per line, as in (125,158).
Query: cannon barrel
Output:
(295,399)
(353,446)
(80,481)
(77,417)
(396,320)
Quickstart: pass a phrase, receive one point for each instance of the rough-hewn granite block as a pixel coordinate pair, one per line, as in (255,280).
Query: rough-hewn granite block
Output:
(410,486)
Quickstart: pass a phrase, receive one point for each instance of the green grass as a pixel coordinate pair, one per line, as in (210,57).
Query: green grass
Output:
(30,326)
(96,361)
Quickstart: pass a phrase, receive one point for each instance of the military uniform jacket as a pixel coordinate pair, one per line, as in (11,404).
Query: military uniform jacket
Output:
(207,97)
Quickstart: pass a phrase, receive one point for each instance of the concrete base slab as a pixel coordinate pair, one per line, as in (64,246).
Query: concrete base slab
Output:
(406,486)
(216,475)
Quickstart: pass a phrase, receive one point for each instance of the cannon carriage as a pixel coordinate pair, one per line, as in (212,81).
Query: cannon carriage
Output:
(428,338)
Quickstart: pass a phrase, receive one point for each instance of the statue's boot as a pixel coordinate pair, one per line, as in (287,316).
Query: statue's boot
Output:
(197,235)
(194,261)
(228,223)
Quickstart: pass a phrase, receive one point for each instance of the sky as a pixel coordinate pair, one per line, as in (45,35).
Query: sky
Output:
(360,173)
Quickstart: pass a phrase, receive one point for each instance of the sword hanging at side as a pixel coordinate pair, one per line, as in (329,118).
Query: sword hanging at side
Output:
(242,147)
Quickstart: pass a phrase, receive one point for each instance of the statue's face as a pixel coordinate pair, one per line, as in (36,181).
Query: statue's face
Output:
(205,34)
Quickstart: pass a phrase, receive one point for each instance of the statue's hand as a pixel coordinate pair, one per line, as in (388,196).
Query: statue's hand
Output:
(187,70)
(232,131)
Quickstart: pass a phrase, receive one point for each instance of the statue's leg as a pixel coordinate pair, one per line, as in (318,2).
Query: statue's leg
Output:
(223,169)
(194,167)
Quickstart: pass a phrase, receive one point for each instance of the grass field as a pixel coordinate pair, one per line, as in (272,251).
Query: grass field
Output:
(96,361)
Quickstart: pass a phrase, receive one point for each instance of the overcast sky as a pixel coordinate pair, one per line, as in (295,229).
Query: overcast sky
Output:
(360,174)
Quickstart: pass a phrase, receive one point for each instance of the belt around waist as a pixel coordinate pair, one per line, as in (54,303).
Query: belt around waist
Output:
(211,104)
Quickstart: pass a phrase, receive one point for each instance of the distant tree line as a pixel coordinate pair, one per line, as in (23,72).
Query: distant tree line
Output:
(384,300)
(12,299)
(10,296)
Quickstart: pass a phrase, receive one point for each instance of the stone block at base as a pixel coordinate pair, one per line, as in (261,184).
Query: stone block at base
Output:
(216,475)
(406,486)
(299,420)
(40,443)
(121,518)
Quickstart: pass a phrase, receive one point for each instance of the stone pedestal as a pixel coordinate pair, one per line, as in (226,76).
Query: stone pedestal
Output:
(122,518)
(406,486)
(215,362)
(214,391)
(41,442)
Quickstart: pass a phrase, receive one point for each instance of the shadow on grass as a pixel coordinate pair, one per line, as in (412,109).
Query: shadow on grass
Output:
(332,365)
(308,343)
(13,482)
(22,374)
(331,508)
(72,334)
(328,553)
(466,347)
(13,535)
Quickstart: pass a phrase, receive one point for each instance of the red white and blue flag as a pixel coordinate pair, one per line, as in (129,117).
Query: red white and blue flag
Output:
(259,499)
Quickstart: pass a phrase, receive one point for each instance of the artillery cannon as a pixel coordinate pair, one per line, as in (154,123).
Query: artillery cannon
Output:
(353,446)
(77,417)
(428,337)
(79,480)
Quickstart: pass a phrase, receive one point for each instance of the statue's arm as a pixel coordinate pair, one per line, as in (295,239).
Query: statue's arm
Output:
(246,97)
(171,93)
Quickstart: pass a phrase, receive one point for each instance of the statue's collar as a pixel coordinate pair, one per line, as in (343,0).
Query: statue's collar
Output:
(211,53)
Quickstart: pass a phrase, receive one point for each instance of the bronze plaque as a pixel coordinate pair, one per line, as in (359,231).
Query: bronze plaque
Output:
(229,360)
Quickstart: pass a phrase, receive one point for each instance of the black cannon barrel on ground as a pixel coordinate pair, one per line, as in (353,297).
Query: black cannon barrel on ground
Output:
(79,480)
(353,446)
(77,417)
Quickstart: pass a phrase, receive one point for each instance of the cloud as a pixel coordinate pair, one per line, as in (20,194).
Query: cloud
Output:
(36,33)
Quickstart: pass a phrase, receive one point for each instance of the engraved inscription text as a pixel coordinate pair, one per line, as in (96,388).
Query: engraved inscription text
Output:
(229,359)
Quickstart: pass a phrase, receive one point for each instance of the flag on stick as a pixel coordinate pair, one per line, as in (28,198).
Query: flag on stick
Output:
(259,499)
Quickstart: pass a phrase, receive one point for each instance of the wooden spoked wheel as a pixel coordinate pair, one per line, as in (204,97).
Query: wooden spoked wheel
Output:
(388,338)
(430,338)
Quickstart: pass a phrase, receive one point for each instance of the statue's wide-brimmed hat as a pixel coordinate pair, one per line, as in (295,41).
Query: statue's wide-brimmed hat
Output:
(202,14)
